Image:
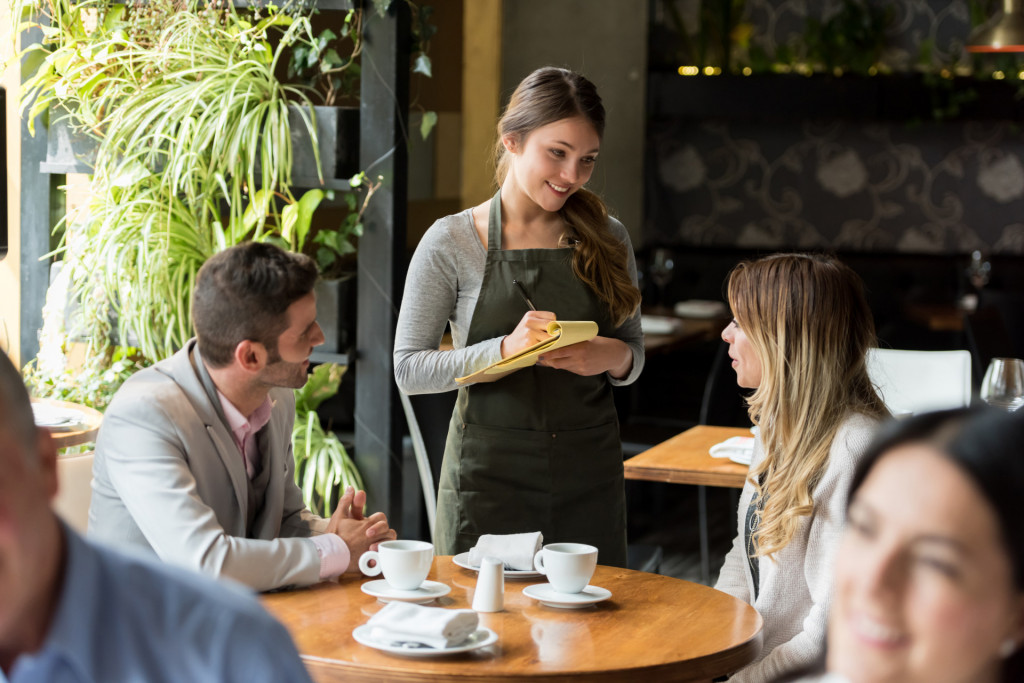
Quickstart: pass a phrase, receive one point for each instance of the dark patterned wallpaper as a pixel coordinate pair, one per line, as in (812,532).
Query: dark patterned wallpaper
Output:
(916,187)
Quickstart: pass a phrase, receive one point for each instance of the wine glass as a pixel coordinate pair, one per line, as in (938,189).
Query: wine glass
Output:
(660,268)
(1003,386)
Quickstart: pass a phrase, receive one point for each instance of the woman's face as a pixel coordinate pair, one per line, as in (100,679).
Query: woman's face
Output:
(554,161)
(744,360)
(924,590)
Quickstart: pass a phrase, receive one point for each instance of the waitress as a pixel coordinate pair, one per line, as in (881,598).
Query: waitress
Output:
(539,449)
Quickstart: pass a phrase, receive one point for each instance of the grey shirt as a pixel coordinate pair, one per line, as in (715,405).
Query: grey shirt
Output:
(442,287)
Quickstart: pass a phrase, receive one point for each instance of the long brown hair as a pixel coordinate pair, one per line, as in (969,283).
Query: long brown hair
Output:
(551,94)
(809,324)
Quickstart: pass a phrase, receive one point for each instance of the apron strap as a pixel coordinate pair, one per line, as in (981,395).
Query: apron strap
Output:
(494,223)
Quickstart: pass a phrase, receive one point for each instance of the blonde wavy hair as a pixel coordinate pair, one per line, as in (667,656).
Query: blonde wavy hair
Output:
(808,322)
(547,95)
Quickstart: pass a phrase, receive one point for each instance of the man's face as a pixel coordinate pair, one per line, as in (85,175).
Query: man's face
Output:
(289,367)
(29,542)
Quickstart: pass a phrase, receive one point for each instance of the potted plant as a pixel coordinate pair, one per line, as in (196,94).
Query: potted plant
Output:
(322,464)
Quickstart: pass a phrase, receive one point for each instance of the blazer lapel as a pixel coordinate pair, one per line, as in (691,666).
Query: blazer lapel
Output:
(188,371)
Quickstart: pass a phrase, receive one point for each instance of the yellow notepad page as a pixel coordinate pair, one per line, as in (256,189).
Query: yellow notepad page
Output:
(563,333)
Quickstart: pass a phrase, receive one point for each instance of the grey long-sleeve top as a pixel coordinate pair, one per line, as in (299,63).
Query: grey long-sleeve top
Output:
(442,287)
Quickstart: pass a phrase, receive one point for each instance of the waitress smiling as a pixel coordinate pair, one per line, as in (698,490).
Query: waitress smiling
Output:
(537,450)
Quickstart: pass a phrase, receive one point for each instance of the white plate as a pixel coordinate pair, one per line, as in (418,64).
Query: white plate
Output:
(429,590)
(462,559)
(481,638)
(700,308)
(659,324)
(54,417)
(546,595)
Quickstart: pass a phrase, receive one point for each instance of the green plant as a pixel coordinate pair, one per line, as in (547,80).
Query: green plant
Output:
(189,120)
(322,465)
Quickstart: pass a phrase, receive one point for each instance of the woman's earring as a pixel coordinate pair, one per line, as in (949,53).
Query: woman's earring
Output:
(1008,647)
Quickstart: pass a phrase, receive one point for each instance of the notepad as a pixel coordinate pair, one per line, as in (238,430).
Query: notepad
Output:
(563,333)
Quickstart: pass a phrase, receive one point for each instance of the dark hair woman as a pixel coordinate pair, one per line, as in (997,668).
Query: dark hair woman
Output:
(538,450)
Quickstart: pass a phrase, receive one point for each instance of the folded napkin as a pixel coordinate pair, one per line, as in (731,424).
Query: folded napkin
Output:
(737,448)
(434,626)
(515,551)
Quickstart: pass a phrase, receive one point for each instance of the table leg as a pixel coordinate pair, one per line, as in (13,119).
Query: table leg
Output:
(702,516)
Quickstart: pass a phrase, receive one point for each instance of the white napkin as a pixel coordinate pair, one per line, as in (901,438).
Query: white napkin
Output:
(434,626)
(516,551)
(737,448)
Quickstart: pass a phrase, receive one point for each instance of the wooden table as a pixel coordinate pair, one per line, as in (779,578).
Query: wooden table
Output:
(653,628)
(78,434)
(684,459)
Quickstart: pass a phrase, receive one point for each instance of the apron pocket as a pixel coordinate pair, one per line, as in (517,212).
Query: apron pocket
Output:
(504,480)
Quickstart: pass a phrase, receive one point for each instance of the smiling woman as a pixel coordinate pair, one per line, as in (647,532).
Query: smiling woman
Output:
(538,450)
(930,578)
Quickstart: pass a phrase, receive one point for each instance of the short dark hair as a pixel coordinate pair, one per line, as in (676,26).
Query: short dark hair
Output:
(984,444)
(242,293)
(15,407)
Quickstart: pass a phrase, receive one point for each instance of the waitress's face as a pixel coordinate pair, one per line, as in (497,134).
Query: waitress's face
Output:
(744,360)
(554,161)
(924,590)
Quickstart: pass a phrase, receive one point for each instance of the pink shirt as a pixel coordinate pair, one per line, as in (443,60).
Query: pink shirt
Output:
(334,554)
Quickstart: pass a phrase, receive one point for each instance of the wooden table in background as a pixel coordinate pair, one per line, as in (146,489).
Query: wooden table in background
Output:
(77,434)
(653,628)
(684,459)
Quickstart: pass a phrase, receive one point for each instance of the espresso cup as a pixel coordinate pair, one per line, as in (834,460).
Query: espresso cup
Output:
(405,564)
(568,566)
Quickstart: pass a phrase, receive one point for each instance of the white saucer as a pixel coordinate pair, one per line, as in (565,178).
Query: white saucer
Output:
(546,595)
(428,590)
(481,638)
(462,559)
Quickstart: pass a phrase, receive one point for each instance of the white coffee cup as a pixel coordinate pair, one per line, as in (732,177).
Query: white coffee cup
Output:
(568,566)
(405,563)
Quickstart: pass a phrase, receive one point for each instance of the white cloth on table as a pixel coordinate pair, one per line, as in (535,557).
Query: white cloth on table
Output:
(434,626)
(736,448)
(515,551)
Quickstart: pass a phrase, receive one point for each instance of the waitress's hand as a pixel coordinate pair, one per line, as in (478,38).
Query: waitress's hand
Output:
(600,354)
(530,330)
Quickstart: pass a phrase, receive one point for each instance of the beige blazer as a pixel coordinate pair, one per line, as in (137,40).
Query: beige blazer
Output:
(168,479)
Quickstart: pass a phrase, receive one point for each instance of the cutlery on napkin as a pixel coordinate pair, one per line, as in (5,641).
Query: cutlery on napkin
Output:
(516,551)
(437,627)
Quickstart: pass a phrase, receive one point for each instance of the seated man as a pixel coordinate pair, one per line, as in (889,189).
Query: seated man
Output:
(70,611)
(194,457)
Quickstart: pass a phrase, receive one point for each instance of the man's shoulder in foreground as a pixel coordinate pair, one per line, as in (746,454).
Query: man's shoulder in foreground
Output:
(123,617)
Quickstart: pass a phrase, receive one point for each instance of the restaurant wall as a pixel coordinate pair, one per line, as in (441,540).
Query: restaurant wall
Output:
(606,40)
(913,186)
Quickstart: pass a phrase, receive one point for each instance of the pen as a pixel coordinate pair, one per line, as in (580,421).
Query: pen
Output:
(522,291)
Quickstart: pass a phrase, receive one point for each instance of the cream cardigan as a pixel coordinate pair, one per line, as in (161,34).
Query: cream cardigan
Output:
(795,589)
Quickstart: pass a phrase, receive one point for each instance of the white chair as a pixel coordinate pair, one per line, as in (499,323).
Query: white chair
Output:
(419,449)
(920,381)
(74,489)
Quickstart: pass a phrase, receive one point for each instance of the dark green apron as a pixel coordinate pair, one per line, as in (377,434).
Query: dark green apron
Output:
(537,450)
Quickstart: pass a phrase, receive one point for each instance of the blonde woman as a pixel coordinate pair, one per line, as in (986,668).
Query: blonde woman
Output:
(539,449)
(799,336)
